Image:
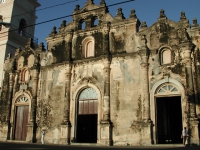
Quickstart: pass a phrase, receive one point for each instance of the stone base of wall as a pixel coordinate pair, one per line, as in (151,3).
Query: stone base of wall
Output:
(146,134)
(106,134)
(3,132)
(65,134)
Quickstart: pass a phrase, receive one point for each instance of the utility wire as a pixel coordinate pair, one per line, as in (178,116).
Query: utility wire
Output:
(69,16)
(56,5)
(44,8)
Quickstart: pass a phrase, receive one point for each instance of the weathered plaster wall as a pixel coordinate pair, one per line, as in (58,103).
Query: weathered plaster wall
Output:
(125,100)
(51,103)
(88,74)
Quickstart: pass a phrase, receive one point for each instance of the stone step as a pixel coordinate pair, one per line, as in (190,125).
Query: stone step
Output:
(17,141)
(94,144)
(168,145)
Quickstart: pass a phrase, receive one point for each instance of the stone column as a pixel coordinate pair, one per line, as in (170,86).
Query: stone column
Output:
(9,103)
(106,125)
(146,129)
(106,39)
(32,122)
(106,115)
(16,78)
(66,125)
(192,118)
(74,47)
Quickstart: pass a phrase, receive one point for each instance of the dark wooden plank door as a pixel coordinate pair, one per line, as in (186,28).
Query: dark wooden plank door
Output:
(21,122)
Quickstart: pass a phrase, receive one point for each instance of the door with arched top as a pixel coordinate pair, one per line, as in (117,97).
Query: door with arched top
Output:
(168,115)
(87,112)
(21,118)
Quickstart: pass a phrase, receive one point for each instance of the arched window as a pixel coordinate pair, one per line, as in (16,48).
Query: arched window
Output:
(166,56)
(22,27)
(94,22)
(166,89)
(88,47)
(25,75)
(82,25)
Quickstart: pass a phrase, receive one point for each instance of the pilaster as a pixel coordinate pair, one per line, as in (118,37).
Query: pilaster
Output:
(106,31)
(66,125)
(146,122)
(105,124)
(32,122)
(9,103)
(192,122)
(144,55)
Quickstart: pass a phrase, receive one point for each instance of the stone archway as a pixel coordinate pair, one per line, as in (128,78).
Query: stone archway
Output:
(168,104)
(87,113)
(20,114)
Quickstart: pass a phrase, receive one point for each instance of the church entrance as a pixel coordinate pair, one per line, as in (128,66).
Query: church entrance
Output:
(168,120)
(87,116)
(21,121)
(21,116)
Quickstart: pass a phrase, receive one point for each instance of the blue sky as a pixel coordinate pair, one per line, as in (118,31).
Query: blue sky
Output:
(146,10)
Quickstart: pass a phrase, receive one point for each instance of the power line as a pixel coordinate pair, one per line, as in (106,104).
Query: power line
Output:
(69,16)
(56,5)
(44,8)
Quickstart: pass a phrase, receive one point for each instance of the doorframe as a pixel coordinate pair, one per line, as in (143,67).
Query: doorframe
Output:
(153,97)
(17,96)
(74,111)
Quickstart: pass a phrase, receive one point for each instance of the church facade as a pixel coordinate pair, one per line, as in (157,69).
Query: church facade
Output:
(105,80)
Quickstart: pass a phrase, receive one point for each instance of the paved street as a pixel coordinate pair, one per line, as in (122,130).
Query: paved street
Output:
(27,146)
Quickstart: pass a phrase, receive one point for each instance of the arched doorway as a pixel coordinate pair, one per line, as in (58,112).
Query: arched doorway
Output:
(21,118)
(87,112)
(168,114)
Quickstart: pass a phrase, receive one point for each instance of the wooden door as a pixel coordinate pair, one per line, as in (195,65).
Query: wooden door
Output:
(21,121)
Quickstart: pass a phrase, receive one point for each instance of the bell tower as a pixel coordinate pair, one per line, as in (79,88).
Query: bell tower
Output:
(16,20)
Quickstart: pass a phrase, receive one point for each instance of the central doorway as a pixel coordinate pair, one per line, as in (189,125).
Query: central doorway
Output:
(168,120)
(87,116)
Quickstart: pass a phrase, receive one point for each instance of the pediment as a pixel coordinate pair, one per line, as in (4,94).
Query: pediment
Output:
(108,18)
(164,32)
(26,52)
(88,8)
